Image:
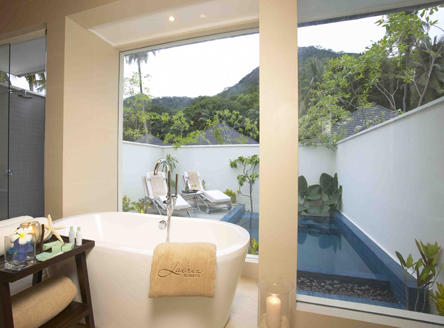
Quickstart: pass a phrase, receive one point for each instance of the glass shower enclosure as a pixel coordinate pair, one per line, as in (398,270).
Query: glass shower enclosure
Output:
(5,54)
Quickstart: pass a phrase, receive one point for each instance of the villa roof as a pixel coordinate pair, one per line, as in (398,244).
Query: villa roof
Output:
(373,115)
(229,134)
(152,140)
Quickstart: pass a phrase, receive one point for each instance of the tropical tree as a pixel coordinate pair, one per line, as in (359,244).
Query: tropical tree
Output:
(36,80)
(310,76)
(408,43)
(139,58)
(404,66)
(248,176)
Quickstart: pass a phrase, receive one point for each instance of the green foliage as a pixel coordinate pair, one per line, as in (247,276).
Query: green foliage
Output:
(36,80)
(230,193)
(254,246)
(183,120)
(438,299)
(402,71)
(327,194)
(172,161)
(141,206)
(126,204)
(224,119)
(424,268)
(248,176)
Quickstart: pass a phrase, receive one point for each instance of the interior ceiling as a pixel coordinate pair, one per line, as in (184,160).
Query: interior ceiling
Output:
(28,57)
(215,13)
(187,18)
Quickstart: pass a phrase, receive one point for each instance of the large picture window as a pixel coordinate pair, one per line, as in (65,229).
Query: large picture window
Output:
(195,104)
(370,162)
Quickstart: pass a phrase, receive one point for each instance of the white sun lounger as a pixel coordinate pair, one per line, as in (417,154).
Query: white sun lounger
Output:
(209,197)
(160,201)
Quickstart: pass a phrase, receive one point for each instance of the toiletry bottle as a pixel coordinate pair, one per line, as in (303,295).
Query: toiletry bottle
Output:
(78,237)
(72,234)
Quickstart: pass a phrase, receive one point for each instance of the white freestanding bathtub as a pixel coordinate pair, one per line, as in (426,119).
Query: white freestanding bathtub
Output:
(119,269)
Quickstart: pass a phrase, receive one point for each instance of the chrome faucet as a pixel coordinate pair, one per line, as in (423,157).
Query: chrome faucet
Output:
(170,199)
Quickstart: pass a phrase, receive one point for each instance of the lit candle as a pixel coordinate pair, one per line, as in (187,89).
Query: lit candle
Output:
(273,312)
(33,227)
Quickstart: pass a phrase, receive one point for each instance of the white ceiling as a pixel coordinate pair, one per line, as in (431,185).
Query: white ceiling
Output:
(26,58)
(187,18)
(222,12)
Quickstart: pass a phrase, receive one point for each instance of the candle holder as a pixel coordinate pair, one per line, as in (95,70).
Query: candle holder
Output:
(274,302)
(35,228)
(19,250)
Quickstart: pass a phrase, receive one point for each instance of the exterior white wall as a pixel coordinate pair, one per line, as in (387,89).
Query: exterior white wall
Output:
(137,160)
(212,162)
(313,161)
(392,178)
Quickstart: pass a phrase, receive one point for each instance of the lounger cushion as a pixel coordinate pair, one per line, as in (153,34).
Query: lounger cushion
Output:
(216,196)
(180,202)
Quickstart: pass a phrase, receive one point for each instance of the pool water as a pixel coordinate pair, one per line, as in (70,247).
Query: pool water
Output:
(328,251)
(321,246)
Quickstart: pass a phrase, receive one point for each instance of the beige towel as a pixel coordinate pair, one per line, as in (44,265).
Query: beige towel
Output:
(183,269)
(193,177)
(157,184)
(35,306)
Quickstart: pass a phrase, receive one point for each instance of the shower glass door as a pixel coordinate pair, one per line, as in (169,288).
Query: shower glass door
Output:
(5,51)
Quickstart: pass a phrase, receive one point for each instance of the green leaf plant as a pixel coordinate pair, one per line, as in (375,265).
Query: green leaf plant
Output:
(230,193)
(254,246)
(126,204)
(141,206)
(438,299)
(327,194)
(424,269)
(248,176)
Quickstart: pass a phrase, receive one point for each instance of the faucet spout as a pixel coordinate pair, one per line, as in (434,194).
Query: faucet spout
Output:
(170,200)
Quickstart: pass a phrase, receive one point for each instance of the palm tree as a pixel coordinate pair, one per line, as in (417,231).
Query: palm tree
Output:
(36,80)
(4,77)
(31,81)
(310,77)
(140,57)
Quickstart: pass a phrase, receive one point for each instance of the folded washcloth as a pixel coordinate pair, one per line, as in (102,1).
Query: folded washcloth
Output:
(193,178)
(157,184)
(183,269)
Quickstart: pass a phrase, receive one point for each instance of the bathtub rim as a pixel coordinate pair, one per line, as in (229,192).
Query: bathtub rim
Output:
(236,249)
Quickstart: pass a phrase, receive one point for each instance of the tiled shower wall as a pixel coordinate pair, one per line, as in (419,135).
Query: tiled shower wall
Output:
(26,155)
(3,151)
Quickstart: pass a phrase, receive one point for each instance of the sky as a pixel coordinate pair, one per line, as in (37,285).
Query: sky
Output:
(209,67)
(204,68)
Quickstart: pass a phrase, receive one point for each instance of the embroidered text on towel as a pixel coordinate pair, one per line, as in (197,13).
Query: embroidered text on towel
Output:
(186,271)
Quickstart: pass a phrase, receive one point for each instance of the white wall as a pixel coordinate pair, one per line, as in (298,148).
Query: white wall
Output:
(212,162)
(393,180)
(137,160)
(313,161)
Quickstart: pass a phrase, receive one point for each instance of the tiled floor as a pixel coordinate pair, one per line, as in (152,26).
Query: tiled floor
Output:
(244,309)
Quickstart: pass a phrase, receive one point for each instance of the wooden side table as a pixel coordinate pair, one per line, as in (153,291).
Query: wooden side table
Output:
(74,312)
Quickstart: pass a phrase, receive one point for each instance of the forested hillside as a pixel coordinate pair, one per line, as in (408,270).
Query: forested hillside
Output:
(238,103)
(400,72)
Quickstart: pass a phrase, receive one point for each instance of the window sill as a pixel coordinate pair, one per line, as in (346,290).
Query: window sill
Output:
(367,313)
